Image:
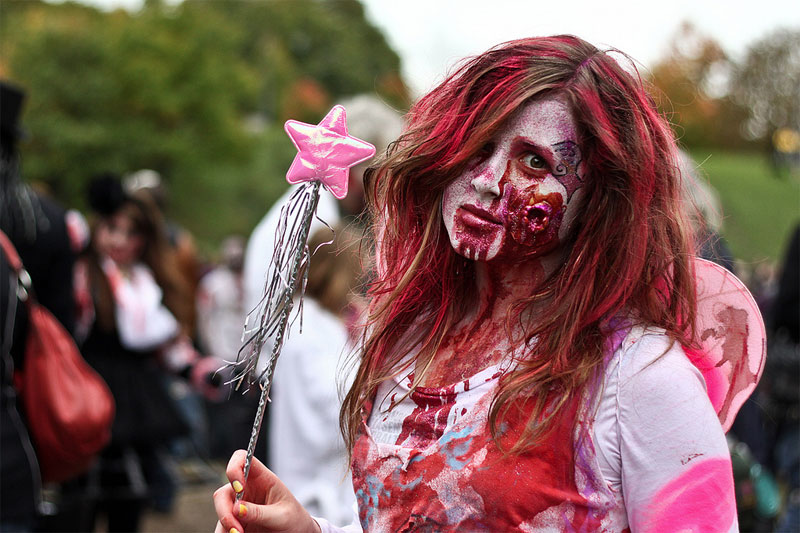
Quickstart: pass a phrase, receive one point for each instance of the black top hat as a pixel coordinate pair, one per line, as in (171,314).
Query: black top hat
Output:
(11,100)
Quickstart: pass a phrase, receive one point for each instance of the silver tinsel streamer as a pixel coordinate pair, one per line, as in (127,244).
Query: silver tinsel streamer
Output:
(267,324)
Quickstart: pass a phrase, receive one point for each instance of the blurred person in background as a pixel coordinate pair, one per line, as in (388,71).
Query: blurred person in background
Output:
(781,384)
(35,224)
(306,448)
(38,228)
(220,323)
(134,325)
(150,182)
(705,214)
(220,302)
(368,118)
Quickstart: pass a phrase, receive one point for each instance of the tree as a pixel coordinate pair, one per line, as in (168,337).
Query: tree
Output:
(176,87)
(120,92)
(329,44)
(692,82)
(767,84)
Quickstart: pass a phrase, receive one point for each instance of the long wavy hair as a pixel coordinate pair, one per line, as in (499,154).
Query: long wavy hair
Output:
(631,247)
(157,254)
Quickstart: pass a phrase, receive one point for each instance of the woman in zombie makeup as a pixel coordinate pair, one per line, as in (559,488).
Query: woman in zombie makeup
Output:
(524,365)
(132,325)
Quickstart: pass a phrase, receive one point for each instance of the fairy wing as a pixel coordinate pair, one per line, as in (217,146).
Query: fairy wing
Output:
(731,337)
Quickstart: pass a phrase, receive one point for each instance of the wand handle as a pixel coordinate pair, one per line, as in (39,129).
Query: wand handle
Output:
(288,295)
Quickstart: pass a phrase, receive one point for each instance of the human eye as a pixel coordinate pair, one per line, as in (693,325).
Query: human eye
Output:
(482,155)
(534,161)
(485,152)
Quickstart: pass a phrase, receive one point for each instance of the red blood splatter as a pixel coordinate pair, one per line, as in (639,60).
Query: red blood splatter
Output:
(461,481)
(734,331)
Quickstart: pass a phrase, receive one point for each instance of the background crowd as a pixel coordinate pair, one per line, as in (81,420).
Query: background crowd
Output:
(124,191)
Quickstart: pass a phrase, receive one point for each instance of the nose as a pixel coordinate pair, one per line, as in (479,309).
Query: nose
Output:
(487,179)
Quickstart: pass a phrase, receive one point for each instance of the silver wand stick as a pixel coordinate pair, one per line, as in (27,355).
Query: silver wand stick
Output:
(325,154)
(285,309)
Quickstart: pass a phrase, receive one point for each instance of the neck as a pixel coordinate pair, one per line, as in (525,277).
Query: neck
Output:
(500,284)
(482,337)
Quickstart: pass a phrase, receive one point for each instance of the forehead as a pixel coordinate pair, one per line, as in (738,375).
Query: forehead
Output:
(545,122)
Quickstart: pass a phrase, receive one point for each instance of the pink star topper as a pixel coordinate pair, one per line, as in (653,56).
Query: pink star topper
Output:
(326,152)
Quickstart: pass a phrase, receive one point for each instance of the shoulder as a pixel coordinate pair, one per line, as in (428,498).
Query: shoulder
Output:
(649,358)
(668,444)
(657,401)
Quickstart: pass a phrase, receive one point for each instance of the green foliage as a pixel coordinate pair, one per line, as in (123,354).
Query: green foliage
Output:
(759,211)
(177,88)
(120,92)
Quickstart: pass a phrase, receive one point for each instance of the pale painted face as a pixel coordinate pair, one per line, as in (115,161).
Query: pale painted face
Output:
(118,239)
(517,199)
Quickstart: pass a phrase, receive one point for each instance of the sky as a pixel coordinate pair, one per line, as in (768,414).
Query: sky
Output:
(431,36)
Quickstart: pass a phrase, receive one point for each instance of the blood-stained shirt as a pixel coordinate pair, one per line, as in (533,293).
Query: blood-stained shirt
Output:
(644,452)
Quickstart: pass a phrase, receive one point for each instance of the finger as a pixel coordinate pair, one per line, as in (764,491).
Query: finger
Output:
(235,470)
(274,516)
(223,505)
(259,474)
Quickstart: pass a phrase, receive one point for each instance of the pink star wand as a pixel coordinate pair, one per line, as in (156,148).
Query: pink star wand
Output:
(325,153)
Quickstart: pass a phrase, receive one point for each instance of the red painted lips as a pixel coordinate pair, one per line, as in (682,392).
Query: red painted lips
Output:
(476,216)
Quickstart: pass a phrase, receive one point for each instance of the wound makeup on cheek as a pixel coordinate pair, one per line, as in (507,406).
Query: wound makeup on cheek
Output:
(533,218)
(538,215)
(567,169)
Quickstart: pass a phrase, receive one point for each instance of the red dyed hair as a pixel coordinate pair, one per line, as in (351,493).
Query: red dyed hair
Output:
(631,245)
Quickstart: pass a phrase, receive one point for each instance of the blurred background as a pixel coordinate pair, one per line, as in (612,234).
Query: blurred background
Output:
(197,91)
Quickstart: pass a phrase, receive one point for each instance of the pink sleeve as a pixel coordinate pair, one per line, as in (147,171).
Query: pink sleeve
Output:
(676,468)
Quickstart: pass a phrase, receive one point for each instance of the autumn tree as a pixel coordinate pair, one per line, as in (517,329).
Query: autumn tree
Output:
(691,85)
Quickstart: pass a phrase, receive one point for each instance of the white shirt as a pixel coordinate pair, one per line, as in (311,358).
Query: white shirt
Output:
(220,313)
(261,244)
(656,449)
(306,448)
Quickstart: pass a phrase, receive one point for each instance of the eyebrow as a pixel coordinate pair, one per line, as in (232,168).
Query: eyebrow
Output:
(551,151)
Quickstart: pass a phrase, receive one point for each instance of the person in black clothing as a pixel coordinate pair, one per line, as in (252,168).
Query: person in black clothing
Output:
(782,383)
(37,228)
(19,471)
(137,332)
(35,223)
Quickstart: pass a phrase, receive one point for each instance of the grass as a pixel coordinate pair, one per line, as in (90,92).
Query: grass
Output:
(759,207)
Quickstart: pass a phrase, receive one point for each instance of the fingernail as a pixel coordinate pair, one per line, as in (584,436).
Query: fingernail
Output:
(237,488)
(242,510)
(233,530)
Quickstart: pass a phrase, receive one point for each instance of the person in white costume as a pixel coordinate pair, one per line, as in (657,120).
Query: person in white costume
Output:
(306,448)
(368,118)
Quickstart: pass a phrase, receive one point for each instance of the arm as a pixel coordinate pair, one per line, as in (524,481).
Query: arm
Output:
(675,466)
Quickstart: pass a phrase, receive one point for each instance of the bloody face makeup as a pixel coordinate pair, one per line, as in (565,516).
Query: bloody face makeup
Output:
(118,238)
(517,197)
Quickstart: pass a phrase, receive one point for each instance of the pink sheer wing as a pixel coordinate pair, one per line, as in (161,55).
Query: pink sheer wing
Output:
(731,336)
